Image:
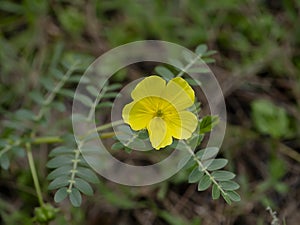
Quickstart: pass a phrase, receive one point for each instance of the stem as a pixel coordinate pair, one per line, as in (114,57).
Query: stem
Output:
(131,140)
(47,139)
(92,110)
(108,125)
(76,159)
(284,149)
(6,149)
(54,139)
(74,169)
(9,147)
(205,170)
(53,93)
(189,65)
(34,174)
(104,127)
(107,135)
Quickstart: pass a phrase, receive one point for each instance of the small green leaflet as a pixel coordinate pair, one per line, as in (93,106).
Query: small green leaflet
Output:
(204,183)
(207,123)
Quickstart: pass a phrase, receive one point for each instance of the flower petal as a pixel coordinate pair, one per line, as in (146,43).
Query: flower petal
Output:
(125,112)
(137,114)
(150,86)
(182,125)
(158,133)
(179,93)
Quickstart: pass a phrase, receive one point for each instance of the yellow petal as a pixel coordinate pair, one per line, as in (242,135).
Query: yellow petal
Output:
(150,86)
(137,114)
(182,125)
(126,110)
(158,133)
(179,93)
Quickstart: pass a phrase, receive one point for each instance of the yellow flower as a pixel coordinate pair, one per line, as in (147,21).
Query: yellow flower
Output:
(160,107)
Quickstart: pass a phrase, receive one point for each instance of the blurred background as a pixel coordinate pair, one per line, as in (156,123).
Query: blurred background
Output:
(258,67)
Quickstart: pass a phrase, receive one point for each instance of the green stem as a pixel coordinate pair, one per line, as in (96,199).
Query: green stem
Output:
(92,110)
(183,71)
(75,161)
(9,147)
(6,149)
(57,139)
(104,127)
(53,93)
(34,174)
(47,139)
(108,125)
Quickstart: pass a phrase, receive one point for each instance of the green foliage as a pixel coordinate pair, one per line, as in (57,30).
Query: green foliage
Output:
(41,40)
(204,183)
(203,161)
(277,170)
(164,72)
(122,198)
(207,123)
(10,149)
(71,175)
(171,219)
(270,119)
(72,20)
(192,63)
(127,139)
(206,172)
(195,175)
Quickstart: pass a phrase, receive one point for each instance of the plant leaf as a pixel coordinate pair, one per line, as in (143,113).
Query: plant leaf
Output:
(60,151)
(4,161)
(85,100)
(207,123)
(226,198)
(215,192)
(60,161)
(87,174)
(184,161)
(201,49)
(223,175)
(204,183)
(60,171)
(75,197)
(58,182)
(234,196)
(217,164)
(117,146)
(195,175)
(164,72)
(229,185)
(60,194)
(209,153)
(92,90)
(83,186)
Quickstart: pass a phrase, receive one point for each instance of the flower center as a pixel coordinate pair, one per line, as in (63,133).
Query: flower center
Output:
(159,113)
